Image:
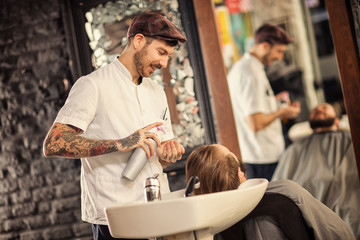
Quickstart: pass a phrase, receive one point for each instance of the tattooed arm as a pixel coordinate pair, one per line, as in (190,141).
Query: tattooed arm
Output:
(65,141)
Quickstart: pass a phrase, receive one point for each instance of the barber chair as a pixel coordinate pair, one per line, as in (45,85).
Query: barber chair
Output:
(282,210)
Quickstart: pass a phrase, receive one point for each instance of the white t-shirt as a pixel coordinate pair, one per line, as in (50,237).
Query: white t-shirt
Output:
(251,93)
(106,104)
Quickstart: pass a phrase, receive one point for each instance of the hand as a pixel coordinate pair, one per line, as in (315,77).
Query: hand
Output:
(292,110)
(140,138)
(170,151)
(296,104)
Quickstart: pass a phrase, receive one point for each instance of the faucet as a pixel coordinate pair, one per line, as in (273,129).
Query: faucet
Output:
(193,183)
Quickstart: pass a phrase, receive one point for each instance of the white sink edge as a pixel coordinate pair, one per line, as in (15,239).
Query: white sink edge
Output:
(195,217)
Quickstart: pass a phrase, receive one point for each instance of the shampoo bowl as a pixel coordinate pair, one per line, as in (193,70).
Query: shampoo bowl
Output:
(178,217)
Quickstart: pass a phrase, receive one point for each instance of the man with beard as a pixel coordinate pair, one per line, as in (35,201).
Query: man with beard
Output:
(114,110)
(324,164)
(257,114)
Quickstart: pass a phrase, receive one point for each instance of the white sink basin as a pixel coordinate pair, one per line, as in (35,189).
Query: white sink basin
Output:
(177,217)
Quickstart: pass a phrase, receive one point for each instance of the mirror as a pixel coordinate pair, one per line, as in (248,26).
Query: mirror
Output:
(314,55)
(309,68)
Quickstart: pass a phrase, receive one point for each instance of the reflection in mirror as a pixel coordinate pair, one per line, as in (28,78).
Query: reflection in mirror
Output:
(106,28)
(323,162)
(309,68)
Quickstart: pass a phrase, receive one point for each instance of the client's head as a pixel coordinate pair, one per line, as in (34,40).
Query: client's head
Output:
(218,169)
(323,118)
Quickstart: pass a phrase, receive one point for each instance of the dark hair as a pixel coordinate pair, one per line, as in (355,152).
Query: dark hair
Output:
(171,43)
(272,34)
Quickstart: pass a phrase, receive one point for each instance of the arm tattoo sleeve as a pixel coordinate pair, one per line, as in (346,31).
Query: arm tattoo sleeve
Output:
(130,141)
(64,141)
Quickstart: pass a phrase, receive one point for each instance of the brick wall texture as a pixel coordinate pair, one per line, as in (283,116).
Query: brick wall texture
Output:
(39,197)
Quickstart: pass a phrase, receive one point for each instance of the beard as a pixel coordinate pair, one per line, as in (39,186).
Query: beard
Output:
(140,62)
(267,60)
(323,123)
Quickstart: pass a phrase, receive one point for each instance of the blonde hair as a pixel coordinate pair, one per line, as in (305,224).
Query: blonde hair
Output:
(216,171)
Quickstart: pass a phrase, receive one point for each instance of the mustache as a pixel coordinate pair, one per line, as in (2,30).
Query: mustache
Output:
(156,66)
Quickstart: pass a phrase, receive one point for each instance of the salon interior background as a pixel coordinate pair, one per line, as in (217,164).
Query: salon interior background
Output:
(40,198)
